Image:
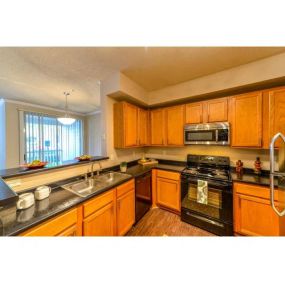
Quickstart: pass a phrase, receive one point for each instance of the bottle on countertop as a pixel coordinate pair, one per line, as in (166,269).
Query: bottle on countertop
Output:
(239,167)
(257,166)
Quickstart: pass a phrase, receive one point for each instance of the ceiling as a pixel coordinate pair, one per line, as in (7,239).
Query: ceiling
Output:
(41,75)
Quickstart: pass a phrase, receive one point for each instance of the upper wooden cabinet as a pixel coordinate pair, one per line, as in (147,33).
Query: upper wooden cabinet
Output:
(245,113)
(143,127)
(194,113)
(210,111)
(157,127)
(273,114)
(130,125)
(175,119)
(215,110)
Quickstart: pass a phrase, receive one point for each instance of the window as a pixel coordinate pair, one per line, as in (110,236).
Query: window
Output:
(46,139)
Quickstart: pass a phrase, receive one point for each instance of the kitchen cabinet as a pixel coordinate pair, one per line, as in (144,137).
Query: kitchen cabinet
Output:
(210,111)
(131,125)
(143,127)
(246,120)
(125,207)
(215,110)
(168,190)
(65,224)
(175,119)
(273,114)
(194,113)
(157,127)
(99,215)
(253,214)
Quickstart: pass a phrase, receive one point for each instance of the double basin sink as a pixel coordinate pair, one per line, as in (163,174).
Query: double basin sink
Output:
(86,187)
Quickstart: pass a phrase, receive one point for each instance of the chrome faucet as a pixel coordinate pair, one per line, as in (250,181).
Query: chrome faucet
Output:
(98,170)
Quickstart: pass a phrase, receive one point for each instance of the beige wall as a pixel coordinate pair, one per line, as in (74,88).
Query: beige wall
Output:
(13,131)
(93,125)
(116,155)
(258,71)
(248,156)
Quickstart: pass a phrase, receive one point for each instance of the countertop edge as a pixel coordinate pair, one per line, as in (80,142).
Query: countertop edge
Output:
(28,172)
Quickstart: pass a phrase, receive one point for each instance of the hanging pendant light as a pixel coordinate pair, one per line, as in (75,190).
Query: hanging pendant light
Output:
(66,120)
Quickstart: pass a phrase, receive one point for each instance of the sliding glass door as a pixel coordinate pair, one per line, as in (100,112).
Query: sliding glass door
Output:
(46,139)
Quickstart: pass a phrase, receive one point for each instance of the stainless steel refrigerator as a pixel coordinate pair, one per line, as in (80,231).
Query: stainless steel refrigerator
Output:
(277,172)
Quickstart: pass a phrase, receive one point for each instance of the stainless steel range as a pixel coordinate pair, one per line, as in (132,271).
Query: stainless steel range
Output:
(206,194)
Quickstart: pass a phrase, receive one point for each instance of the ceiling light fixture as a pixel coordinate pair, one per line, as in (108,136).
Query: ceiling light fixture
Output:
(66,120)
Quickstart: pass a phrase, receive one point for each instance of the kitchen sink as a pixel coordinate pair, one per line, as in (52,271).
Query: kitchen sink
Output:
(84,188)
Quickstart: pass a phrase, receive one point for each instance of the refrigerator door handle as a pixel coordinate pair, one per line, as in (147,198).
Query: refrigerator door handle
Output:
(273,173)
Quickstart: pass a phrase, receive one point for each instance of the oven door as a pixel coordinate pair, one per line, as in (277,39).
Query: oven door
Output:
(200,136)
(219,203)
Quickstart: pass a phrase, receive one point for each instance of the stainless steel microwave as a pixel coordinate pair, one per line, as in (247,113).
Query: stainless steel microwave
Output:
(211,133)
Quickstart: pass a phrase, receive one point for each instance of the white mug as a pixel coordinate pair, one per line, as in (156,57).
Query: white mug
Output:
(42,192)
(25,201)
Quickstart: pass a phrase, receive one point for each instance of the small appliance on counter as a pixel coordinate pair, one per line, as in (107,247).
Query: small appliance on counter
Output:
(206,194)
(25,201)
(42,192)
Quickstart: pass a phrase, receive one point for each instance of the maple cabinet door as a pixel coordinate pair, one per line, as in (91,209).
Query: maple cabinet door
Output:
(255,217)
(143,127)
(131,125)
(216,110)
(168,193)
(157,127)
(277,113)
(175,118)
(100,223)
(246,120)
(194,113)
(125,212)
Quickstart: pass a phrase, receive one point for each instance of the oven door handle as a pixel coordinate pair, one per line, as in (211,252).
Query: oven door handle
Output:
(205,219)
(210,184)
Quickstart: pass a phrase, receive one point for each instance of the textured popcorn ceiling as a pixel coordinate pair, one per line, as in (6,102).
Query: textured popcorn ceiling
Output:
(41,75)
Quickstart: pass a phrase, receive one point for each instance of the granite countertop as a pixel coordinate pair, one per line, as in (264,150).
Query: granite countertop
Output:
(13,221)
(250,177)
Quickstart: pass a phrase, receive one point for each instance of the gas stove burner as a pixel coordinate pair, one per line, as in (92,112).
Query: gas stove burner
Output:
(219,172)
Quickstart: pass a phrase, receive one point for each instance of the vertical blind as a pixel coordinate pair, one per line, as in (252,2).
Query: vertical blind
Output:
(46,139)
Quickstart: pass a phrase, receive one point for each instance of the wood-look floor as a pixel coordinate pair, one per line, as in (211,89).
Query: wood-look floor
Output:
(158,222)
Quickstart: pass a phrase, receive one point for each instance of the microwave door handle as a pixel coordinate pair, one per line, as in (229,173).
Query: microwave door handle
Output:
(272,173)
(217,135)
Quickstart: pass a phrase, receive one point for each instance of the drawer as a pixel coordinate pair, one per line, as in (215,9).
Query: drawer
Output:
(168,175)
(258,191)
(126,187)
(97,203)
(54,226)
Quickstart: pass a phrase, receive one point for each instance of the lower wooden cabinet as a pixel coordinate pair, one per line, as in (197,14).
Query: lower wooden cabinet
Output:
(168,190)
(99,218)
(253,214)
(109,214)
(125,207)
(65,224)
